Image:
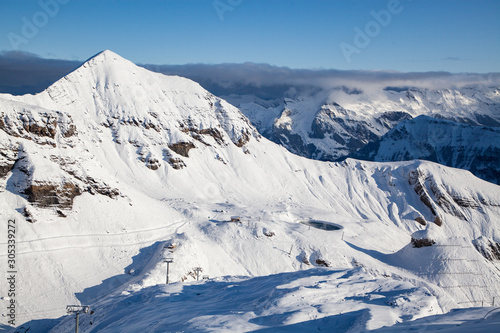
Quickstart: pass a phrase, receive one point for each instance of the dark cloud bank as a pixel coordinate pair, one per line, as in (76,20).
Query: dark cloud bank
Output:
(22,73)
(26,73)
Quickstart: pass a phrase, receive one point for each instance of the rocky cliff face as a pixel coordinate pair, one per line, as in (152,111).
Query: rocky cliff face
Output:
(8,156)
(474,148)
(488,248)
(37,157)
(334,125)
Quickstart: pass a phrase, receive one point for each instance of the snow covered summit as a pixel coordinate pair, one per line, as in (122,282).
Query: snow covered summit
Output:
(109,86)
(110,101)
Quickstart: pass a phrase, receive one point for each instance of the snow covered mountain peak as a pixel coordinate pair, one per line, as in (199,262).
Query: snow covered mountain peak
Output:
(112,91)
(110,104)
(107,70)
(104,66)
(106,55)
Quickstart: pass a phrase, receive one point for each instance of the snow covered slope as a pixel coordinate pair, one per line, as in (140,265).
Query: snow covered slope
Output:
(304,301)
(333,124)
(114,167)
(474,148)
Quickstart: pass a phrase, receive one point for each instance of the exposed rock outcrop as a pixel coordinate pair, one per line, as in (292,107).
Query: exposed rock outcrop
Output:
(422,242)
(40,126)
(198,134)
(182,148)
(176,163)
(8,157)
(488,248)
(153,163)
(323,262)
(417,180)
(45,194)
(421,220)
(436,197)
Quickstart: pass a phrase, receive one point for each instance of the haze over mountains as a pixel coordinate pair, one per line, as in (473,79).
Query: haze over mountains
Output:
(113,167)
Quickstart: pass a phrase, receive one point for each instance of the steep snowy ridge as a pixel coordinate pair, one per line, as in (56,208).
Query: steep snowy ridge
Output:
(114,167)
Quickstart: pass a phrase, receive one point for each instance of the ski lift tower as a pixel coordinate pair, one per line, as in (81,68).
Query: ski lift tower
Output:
(168,261)
(77,309)
(198,270)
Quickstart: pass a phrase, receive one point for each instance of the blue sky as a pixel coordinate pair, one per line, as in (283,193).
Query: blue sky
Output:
(419,35)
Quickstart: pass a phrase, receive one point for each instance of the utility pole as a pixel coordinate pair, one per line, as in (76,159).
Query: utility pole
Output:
(77,309)
(168,261)
(198,270)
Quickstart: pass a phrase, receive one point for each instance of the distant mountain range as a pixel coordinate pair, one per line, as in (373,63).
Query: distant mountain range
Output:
(334,125)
